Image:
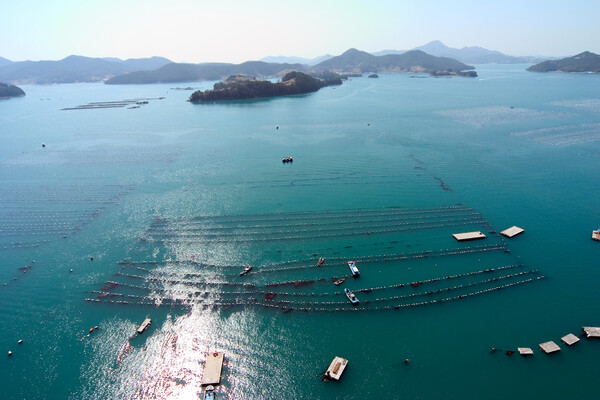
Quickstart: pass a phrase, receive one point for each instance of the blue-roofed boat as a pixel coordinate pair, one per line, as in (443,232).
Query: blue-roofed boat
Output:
(209,393)
(353,268)
(351,296)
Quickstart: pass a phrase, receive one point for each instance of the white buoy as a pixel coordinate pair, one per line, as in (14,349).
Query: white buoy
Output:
(71,270)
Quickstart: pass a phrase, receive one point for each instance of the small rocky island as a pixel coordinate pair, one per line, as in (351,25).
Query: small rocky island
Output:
(373,76)
(584,62)
(7,91)
(239,87)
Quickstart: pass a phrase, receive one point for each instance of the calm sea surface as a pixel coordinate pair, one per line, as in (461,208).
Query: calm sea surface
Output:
(172,199)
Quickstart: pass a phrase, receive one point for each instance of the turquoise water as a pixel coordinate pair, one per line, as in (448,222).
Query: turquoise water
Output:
(172,199)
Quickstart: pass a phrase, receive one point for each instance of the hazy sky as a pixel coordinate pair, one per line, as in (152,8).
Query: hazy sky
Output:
(237,31)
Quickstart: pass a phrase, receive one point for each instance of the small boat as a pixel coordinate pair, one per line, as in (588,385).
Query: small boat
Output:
(351,296)
(339,281)
(353,268)
(246,270)
(287,159)
(320,262)
(596,235)
(144,326)
(209,392)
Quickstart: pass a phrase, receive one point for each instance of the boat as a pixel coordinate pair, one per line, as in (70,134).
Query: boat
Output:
(353,268)
(335,369)
(596,235)
(246,270)
(209,392)
(287,159)
(320,262)
(351,296)
(339,281)
(144,326)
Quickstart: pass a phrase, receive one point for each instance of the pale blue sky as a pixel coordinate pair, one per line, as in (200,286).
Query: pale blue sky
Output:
(236,31)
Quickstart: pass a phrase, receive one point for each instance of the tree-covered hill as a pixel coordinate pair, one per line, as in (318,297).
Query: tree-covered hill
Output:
(584,62)
(7,90)
(243,88)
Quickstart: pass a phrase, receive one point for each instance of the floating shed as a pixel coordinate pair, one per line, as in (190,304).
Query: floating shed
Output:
(468,236)
(512,231)
(144,325)
(596,235)
(212,369)
(570,339)
(591,331)
(525,351)
(336,368)
(549,347)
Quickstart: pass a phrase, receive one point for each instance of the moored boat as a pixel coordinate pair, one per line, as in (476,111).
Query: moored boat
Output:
(339,281)
(209,392)
(596,235)
(351,296)
(353,268)
(320,262)
(246,270)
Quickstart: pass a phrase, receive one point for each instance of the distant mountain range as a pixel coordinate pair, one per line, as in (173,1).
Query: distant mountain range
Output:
(584,62)
(351,62)
(172,73)
(296,60)
(434,58)
(468,55)
(356,61)
(471,55)
(73,69)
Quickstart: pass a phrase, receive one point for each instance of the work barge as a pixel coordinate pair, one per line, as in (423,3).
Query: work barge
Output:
(212,368)
(336,369)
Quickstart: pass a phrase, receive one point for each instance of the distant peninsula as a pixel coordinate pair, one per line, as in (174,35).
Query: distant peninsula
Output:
(7,91)
(242,88)
(584,62)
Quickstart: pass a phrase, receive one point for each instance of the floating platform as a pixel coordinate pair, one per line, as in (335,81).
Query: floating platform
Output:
(512,231)
(596,235)
(591,331)
(570,339)
(336,368)
(525,351)
(212,369)
(549,347)
(144,326)
(468,236)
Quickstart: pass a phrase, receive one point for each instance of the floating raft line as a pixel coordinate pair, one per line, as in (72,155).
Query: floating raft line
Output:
(321,306)
(182,238)
(335,262)
(286,308)
(315,214)
(269,287)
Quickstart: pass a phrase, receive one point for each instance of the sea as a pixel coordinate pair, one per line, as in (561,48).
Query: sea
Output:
(112,212)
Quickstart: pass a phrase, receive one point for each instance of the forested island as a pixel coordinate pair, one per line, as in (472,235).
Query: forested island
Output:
(239,87)
(584,62)
(7,91)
